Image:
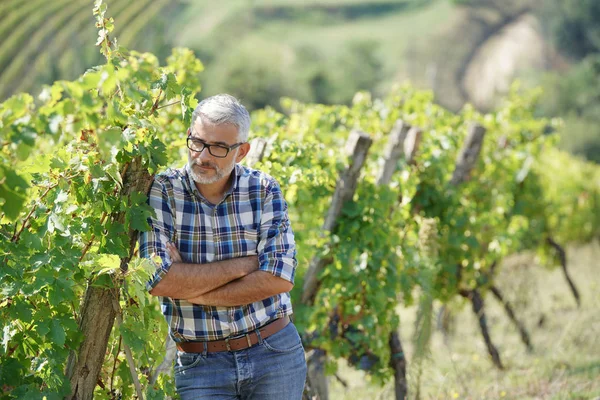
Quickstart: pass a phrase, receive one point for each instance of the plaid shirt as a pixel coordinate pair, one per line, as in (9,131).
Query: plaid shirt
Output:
(251,220)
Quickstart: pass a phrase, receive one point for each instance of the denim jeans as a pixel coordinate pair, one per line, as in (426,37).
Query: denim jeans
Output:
(273,369)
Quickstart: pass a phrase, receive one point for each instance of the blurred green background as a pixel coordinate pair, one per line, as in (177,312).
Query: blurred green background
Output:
(326,51)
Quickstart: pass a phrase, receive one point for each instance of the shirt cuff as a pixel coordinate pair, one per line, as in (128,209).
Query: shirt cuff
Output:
(161,271)
(284,268)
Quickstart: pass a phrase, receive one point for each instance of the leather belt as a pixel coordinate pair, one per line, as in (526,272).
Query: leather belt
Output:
(235,344)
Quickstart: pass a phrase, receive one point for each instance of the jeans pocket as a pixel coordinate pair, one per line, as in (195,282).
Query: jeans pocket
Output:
(284,341)
(185,361)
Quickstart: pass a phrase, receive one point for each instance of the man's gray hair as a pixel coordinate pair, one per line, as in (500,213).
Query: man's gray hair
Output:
(224,109)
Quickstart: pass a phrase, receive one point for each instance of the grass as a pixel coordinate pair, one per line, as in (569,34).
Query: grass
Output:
(565,363)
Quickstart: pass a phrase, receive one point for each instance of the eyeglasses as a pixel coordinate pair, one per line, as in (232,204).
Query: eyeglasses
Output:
(216,150)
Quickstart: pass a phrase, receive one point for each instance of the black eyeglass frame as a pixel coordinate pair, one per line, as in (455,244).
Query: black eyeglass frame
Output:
(208,146)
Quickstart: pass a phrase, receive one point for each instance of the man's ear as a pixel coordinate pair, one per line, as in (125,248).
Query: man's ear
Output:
(242,152)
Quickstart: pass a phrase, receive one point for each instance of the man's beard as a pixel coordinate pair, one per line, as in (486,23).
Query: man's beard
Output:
(202,179)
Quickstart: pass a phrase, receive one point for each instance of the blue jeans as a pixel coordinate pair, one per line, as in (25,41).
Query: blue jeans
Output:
(273,369)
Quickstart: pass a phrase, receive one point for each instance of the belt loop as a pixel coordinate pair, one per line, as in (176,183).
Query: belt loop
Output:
(260,339)
(204,349)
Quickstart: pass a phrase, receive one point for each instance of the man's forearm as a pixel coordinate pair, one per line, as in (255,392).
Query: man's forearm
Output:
(258,285)
(184,280)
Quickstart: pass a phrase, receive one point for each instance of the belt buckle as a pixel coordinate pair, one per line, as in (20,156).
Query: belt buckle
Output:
(227,344)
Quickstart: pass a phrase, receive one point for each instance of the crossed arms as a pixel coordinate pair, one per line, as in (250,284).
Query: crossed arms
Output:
(227,283)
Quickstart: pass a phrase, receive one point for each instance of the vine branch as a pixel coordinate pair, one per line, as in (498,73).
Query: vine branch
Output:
(89,244)
(16,346)
(155,105)
(129,356)
(114,369)
(17,235)
(167,105)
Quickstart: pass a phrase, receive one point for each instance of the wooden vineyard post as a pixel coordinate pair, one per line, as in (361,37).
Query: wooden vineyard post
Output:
(316,387)
(393,151)
(97,315)
(468,155)
(396,147)
(398,362)
(411,144)
(464,165)
(357,147)
(258,146)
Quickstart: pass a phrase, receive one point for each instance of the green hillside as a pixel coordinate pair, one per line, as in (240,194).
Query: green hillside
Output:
(49,40)
(293,42)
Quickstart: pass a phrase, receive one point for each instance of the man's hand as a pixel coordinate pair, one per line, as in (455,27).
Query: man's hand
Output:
(173,253)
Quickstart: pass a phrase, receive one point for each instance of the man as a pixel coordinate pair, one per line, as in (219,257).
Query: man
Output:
(227,265)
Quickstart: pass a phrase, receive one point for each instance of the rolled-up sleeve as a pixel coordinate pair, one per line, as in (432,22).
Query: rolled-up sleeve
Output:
(153,242)
(276,247)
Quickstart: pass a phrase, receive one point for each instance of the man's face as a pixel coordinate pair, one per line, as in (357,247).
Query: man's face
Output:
(205,167)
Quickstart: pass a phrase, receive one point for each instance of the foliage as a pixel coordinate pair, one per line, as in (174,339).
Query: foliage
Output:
(66,213)
(508,204)
(576,98)
(574,26)
(70,229)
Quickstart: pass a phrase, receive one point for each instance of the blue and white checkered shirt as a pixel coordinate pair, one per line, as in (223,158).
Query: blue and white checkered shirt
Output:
(251,220)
